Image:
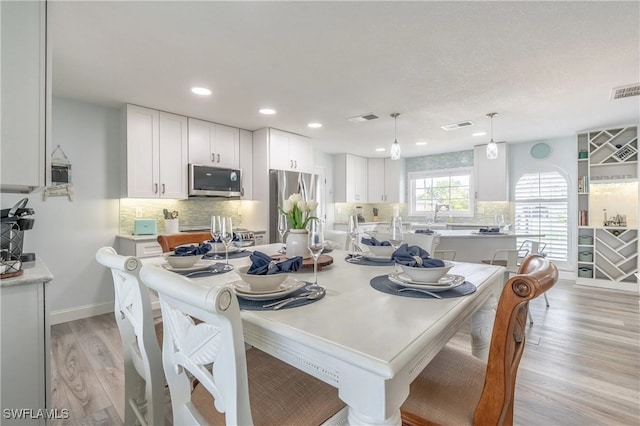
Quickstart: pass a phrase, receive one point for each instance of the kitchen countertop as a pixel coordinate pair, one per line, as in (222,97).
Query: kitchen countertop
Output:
(466,233)
(35,272)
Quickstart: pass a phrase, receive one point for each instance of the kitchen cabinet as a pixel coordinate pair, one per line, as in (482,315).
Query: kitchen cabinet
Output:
(350,179)
(139,245)
(25,330)
(156,154)
(288,151)
(386,180)
(246,163)
(491,177)
(25,99)
(213,144)
(608,171)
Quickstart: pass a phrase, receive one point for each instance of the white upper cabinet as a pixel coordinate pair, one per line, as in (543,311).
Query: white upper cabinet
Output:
(350,179)
(246,163)
(24,95)
(288,151)
(386,180)
(156,154)
(213,144)
(491,177)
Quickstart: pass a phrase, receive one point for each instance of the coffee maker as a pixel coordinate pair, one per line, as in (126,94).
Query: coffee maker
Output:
(14,221)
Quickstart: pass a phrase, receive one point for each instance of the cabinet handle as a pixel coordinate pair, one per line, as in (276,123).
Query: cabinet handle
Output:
(213,157)
(163,188)
(291,164)
(242,192)
(218,158)
(155,188)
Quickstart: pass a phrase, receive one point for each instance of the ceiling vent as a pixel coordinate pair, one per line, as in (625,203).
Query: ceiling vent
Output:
(364,117)
(625,91)
(455,126)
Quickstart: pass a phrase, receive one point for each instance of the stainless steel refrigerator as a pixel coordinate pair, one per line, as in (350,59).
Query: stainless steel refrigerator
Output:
(284,183)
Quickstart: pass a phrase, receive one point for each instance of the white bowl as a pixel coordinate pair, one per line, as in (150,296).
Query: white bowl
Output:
(182,262)
(382,251)
(427,275)
(262,283)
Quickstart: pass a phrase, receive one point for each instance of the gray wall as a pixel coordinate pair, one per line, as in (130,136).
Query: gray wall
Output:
(67,234)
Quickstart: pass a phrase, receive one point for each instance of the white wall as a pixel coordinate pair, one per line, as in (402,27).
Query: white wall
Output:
(67,234)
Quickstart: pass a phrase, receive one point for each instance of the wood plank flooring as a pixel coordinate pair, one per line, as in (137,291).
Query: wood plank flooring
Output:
(581,365)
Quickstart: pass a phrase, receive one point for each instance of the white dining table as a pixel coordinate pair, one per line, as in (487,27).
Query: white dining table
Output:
(368,344)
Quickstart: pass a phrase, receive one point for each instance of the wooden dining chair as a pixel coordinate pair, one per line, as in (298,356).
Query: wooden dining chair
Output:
(458,389)
(249,387)
(143,375)
(169,242)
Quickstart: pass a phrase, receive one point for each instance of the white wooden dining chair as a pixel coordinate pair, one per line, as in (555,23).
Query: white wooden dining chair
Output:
(242,388)
(143,376)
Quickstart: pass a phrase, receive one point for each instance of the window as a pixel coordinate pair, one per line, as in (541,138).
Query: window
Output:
(448,190)
(541,207)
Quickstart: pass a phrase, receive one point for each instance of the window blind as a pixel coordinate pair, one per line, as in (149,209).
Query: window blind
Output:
(541,207)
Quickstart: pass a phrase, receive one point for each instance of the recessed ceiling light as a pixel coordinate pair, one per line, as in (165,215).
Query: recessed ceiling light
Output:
(380,149)
(314,125)
(201,91)
(479,134)
(421,143)
(267,111)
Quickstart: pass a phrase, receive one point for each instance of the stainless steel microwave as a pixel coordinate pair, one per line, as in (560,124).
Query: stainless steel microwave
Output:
(208,181)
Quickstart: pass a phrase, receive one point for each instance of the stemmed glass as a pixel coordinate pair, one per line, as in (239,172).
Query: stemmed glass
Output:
(226,234)
(353,233)
(499,218)
(396,234)
(282,229)
(316,245)
(215,232)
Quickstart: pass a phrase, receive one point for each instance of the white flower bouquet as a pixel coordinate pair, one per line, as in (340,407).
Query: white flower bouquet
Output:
(298,211)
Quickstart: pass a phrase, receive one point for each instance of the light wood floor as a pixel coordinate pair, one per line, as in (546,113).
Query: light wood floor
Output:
(581,365)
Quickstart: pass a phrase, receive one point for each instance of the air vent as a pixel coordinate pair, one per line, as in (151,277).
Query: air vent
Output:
(625,91)
(364,117)
(459,125)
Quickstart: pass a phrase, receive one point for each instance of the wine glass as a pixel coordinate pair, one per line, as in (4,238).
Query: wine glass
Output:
(226,234)
(353,233)
(215,233)
(282,229)
(396,234)
(316,245)
(499,219)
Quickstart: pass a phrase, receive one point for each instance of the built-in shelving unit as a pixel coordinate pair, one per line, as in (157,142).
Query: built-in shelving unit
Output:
(608,245)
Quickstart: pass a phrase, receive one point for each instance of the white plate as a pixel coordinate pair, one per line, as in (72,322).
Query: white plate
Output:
(243,290)
(454,281)
(200,265)
(375,258)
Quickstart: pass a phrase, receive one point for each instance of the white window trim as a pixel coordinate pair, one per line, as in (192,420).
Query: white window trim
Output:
(442,173)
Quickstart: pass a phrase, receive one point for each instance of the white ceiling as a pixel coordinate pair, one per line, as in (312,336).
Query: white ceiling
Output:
(547,68)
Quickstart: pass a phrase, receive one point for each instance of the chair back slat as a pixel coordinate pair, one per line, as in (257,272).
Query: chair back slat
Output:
(170,241)
(190,346)
(536,275)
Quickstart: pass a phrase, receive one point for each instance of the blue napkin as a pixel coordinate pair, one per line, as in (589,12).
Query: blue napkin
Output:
(425,231)
(192,250)
(488,230)
(415,256)
(373,242)
(263,264)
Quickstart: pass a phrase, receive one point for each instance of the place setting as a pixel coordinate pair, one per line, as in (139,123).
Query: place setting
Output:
(419,275)
(190,260)
(268,284)
(225,242)
(378,253)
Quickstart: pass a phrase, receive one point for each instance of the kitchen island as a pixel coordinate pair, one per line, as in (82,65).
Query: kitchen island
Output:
(471,246)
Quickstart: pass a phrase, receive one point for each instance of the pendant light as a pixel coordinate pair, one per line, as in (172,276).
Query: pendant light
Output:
(395,147)
(492,147)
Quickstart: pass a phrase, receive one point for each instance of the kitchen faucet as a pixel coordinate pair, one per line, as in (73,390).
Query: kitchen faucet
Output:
(436,209)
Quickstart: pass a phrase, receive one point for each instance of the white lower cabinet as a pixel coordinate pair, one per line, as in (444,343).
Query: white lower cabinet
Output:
(139,246)
(156,154)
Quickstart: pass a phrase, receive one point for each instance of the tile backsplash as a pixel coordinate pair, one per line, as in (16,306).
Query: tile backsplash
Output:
(192,212)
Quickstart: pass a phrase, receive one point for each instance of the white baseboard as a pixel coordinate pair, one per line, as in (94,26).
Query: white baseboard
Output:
(86,311)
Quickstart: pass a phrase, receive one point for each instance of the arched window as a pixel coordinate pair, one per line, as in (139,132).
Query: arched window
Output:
(541,207)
